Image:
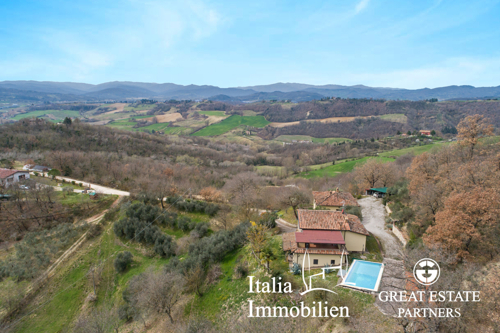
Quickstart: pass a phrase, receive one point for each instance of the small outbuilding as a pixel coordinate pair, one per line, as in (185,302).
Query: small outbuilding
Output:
(378,192)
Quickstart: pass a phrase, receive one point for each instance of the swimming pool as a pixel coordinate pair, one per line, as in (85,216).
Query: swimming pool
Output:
(364,275)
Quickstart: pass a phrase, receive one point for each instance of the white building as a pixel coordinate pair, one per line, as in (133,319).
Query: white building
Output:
(8,176)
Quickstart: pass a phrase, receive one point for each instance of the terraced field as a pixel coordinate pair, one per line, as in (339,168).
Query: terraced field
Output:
(51,115)
(213,113)
(290,138)
(231,123)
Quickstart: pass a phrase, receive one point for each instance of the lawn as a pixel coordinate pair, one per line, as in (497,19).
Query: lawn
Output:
(333,170)
(58,114)
(213,113)
(231,123)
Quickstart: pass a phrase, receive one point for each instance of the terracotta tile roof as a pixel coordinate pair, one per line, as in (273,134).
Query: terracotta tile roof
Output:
(4,173)
(356,225)
(320,237)
(330,220)
(289,243)
(321,251)
(334,198)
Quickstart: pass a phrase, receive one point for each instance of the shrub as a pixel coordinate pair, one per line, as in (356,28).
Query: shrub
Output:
(327,270)
(241,270)
(296,269)
(94,230)
(268,220)
(124,313)
(354,210)
(123,261)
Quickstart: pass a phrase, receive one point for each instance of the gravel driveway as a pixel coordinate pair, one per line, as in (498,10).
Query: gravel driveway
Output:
(374,221)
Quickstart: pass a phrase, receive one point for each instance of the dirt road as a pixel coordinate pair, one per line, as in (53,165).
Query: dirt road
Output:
(285,226)
(97,188)
(374,221)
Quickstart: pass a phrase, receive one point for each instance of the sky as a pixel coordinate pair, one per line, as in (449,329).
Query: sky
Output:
(380,43)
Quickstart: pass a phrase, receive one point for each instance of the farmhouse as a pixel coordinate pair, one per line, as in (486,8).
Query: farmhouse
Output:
(425,132)
(333,199)
(8,176)
(325,234)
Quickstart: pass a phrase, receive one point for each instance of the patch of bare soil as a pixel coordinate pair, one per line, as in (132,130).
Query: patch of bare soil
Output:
(166,118)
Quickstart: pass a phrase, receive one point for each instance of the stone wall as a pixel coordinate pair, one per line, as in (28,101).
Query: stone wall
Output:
(401,235)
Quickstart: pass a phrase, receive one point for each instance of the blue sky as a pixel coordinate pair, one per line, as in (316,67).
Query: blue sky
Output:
(384,43)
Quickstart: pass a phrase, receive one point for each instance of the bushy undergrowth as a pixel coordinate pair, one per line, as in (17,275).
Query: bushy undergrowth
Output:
(37,249)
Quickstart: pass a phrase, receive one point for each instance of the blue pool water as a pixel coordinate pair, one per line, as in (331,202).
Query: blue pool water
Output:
(363,274)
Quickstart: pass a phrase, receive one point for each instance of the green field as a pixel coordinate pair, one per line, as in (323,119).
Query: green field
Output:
(395,117)
(213,113)
(126,124)
(59,114)
(342,167)
(417,150)
(231,123)
(290,138)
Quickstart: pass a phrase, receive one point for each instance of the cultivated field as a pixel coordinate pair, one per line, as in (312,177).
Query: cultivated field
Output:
(51,115)
(290,138)
(165,118)
(231,123)
(325,120)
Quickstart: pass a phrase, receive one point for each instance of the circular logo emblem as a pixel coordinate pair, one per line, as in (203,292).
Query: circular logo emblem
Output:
(426,271)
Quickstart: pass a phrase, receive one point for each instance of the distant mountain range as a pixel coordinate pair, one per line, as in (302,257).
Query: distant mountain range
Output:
(71,91)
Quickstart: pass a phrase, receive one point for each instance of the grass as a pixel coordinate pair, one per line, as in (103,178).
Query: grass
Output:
(58,114)
(417,150)
(333,170)
(54,182)
(227,293)
(62,298)
(126,124)
(395,117)
(231,123)
(288,215)
(213,113)
(373,253)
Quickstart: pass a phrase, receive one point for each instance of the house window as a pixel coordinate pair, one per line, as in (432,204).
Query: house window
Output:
(315,261)
(307,245)
(332,262)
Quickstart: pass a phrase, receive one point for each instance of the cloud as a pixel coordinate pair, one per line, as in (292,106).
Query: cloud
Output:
(176,21)
(361,6)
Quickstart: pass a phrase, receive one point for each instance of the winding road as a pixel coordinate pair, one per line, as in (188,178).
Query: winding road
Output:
(374,221)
